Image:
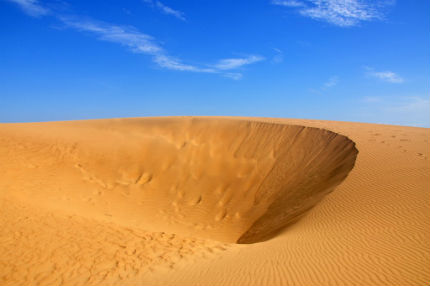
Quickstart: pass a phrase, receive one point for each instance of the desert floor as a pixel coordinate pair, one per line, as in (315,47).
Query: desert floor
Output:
(214,201)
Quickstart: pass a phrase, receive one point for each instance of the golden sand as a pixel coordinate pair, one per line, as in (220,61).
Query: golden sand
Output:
(214,201)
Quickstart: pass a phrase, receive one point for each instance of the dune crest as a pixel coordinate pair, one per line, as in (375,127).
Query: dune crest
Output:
(225,179)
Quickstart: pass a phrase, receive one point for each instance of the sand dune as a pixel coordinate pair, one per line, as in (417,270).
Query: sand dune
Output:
(221,201)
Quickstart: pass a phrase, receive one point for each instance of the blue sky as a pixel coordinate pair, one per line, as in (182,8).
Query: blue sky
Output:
(349,60)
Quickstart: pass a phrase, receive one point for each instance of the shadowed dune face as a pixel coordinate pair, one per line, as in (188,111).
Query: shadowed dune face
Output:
(226,179)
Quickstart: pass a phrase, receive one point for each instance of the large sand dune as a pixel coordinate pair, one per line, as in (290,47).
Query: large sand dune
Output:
(222,201)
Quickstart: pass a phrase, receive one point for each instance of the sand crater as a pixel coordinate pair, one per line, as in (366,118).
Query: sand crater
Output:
(226,179)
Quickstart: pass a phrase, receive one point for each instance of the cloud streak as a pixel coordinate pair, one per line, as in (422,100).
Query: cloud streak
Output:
(387,76)
(278,57)
(137,42)
(166,9)
(131,38)
(141,43)
(31,7)
(234,63)
(343,13)
(332,81)
(288,3)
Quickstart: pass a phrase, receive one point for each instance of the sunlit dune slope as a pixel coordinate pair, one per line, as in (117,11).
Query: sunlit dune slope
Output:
(214,201)
(225,179)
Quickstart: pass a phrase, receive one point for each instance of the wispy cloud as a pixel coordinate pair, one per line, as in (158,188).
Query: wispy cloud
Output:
(126,36)
(288,3)
(343,13)
(332,81)
(138,42)
(31,7)
(387,76)
(166,9)
(141,43)
(233,75)
(278,57)
(234,63)
(131,38)
(175,64)
(329,83)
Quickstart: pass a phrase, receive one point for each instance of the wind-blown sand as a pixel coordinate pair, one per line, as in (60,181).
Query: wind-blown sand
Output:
(214,201)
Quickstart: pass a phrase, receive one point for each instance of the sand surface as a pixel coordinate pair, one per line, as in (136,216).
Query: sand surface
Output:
(214,201)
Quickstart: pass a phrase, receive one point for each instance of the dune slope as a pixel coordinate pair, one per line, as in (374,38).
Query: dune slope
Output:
(127,201)
(232,180)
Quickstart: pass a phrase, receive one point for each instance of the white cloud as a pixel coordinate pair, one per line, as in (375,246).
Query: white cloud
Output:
(233,63)
(126,36)
(343,13)
(288,3)
(387,76)
(332,81)
(234,75)
(169,11)
(323,89)
(131,38)
(31,7)
(166,9)
(174,64)
(141,43)
(278,57)
(137,42)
